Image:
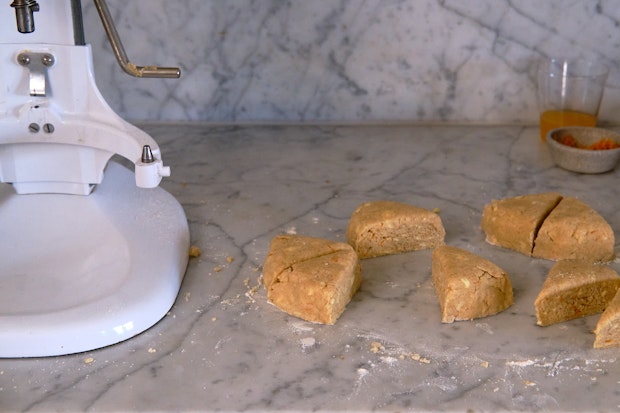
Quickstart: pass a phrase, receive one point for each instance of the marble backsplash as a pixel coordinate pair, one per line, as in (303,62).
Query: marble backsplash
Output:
(423,61)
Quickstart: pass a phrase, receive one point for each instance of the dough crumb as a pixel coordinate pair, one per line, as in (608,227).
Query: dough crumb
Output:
(88,360)
(376,347)
(417,357)
(229,259)
(152,350)
(194,251)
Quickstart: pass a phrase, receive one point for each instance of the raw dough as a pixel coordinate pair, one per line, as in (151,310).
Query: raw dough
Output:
(548,226)
(573,289)
(608,327)
(311,278)
(514,222)
(385,227)
(468,286)
(573,230)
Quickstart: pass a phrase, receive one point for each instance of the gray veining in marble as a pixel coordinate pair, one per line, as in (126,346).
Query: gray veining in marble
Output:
(222,347)
(469,61)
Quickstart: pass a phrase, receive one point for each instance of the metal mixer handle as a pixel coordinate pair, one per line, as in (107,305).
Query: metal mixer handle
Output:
(119,51)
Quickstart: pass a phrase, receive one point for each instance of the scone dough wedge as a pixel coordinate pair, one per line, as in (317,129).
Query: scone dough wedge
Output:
(468,286)
(573,230)
(379,228)
(573,289)
(311,278)
(608,327)
(514,222)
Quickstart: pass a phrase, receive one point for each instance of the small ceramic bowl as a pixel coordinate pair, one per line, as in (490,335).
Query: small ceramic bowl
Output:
(579,159)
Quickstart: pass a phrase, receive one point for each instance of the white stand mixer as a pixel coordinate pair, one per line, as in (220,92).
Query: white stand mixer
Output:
(88,257)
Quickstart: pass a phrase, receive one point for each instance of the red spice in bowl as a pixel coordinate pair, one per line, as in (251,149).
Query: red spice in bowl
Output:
(605,143)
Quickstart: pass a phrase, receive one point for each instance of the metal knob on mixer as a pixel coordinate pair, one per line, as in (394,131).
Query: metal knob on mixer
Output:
(23,13)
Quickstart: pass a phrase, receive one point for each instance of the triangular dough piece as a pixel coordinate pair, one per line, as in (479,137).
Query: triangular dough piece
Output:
(608,327)
(311,278)
(573,289)
(286,250)
(514,222)
(468,286)
(379,228)
(573,230)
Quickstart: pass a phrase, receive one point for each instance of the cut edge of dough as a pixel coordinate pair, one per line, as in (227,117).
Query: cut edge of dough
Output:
(492,241)
(542,221)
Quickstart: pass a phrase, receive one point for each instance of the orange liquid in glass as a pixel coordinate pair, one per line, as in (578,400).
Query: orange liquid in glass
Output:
(552,119)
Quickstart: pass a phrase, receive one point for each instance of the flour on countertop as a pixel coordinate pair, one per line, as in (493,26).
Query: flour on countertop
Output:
(389,360)
(307,342)
(301,326)
(485,327)
(555,365)
(252,289)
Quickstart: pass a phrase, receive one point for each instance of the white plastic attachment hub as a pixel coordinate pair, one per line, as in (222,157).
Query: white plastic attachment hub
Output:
(150,170)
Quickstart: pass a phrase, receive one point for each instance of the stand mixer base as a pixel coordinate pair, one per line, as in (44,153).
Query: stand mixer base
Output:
(86,272)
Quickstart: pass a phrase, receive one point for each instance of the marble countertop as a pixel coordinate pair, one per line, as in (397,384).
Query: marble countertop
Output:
(222,347)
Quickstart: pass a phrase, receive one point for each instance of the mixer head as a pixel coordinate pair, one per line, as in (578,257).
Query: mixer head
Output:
(57,133)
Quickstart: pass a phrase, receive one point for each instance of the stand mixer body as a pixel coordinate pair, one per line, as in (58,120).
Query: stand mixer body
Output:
(77,233)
